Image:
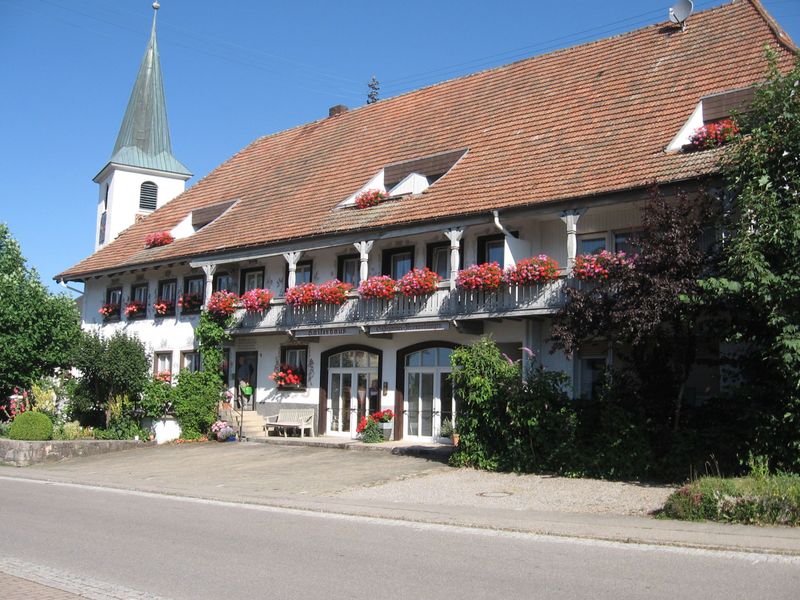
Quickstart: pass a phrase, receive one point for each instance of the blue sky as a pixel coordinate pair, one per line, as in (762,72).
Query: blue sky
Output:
(234,71)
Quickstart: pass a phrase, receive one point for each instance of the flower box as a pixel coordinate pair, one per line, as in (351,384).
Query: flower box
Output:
(306,294)
(418,282)
(603,265)
(712,135)
(531,271)
(135,309)
(334,292)
(485,277)
(164,308)
(287,376)
(159,238)
(382,287)
(222,303)
(369,198)
(256,300)
(110,311)
(190,302)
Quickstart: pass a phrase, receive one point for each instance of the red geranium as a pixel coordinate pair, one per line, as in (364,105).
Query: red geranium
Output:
(222,303)
(163,307)
(109,310)
(383,416)
(369,198)
(286,375)
(134,308)
(159,238)
(190,301)
(334,292)
(378,286)
(306,294)
(486,277)
(256,300)
(713,135)
(590,267)
(417,282)
(529,271)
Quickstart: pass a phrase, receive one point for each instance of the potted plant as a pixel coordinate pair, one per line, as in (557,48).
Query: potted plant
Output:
(135,309)
(223,432)
(369,198)
(381,287)
(384,419)
(530,271)
(256,300)
(446,431)
(109,310)
(334,292)
(485,277)
(222,303)
(418,282)
(190,302)
(159,238)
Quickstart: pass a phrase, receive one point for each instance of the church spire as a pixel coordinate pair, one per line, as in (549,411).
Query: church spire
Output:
(143,139)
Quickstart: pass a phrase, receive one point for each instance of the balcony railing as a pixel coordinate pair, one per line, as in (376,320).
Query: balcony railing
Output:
(442,305)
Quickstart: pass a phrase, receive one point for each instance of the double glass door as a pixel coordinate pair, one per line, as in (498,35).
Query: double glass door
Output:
(429,399)
(353,390)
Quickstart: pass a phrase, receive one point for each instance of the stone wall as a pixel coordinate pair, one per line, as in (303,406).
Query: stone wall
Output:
(22,454)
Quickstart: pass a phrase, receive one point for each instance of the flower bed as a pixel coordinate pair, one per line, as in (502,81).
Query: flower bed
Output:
(593,267)
(382,287)
(190,302)
(713,135)
(256,300)
(369,198)
(159,238)
(109,310)
(306,294)
(530,271)
(486,277)
(164,307)
(134,309)
(418,282)
(222,303)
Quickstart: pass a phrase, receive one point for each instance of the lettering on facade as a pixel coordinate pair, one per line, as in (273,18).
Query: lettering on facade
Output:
(324,331)
(401,327)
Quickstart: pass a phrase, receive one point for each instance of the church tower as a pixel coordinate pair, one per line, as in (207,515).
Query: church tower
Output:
(142,173)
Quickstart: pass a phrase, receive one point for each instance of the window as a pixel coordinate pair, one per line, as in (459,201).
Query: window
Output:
(622,243)
(195,286)
(223,281)
(303,273)
(139,292)
(398,261)
(101,237)
(167,292)
(438,259)
(114,295)
(592,245)
(148,196)
(190,361)
(592,362)
(595,243)
(348,269)
(296,358)
(162,363)
(491,248)
(252,279)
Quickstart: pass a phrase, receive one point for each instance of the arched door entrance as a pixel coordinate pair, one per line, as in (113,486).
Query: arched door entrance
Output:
(428,392)
(353,389)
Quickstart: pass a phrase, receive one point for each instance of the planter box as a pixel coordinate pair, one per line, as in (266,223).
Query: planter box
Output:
(386,430)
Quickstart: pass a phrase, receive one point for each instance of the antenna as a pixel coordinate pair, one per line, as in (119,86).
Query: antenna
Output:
(680,12)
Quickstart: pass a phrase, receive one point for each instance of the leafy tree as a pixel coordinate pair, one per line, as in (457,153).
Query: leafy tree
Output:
(759,283)
(643,311)
(38,330)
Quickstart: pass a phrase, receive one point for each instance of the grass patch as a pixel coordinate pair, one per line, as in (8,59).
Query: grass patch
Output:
(759,499)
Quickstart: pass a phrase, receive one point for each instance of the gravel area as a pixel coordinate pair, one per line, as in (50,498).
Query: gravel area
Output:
(468,487)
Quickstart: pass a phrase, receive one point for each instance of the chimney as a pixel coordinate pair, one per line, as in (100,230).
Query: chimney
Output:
(335,111)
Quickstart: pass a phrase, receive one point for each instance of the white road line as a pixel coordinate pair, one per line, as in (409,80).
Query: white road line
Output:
(750,557)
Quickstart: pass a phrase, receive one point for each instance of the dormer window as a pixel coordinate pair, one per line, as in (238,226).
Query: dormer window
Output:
(148,196)
(711,110)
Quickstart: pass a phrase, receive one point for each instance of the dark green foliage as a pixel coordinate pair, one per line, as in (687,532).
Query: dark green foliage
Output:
(371,434)
(196,398)
(506,422)
(211,332)
(158,399)
(37,329)
(31,426)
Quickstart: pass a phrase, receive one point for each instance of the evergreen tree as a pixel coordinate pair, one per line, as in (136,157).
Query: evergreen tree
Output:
(374,89)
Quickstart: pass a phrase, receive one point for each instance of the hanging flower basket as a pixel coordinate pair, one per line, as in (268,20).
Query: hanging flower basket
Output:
(134,309)
(382,287)
(486,277)
(418,282)
(190,302)
(334,292)
(306,294)
(712,135)
(222,303)
(159,238)
(256,300)
(603,265)
(164,307)
(369,198)
(530,271)
(109,310)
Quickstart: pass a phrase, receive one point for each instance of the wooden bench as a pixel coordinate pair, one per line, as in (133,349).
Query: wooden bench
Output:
(300,418)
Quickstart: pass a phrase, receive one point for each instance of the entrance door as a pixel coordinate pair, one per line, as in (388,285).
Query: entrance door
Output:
(353,390)
(429,399)
(245,372)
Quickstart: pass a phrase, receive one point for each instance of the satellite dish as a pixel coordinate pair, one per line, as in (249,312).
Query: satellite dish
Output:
(680,12)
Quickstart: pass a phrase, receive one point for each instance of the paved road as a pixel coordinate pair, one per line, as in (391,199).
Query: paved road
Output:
(184,548)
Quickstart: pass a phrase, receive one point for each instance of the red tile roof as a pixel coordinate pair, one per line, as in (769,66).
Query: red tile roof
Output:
(577,122)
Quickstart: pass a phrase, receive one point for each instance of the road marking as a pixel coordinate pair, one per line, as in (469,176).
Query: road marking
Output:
(748,556)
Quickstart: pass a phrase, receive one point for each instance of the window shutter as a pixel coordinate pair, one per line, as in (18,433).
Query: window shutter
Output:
(148,196)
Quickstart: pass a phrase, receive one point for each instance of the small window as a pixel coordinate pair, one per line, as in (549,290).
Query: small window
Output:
(592,245)
(101,237)
(139,292)
(167,292)
(592,363)
(252,279)
(303,273)
(224,281)
(296,358)
(114,295)
(148,196)
(349,269)
(622,243)
(438,259)
(190,361)
(193,289)
(105,197)
(398,261)
(491,248)
(162,363)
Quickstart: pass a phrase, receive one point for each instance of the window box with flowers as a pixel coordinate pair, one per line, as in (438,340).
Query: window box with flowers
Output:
(334,292)
(256,300)
(190,303)
(306,294)
(369,198)
(712,135)
(418,282)
(222,303)
(603,265)
(159,238)
(381,287)
(288,377)
(532,271)
(135,309)
(485,277)
(109,311)
(164,308)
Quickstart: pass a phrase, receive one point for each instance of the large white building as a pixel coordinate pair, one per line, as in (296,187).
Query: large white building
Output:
(550,155)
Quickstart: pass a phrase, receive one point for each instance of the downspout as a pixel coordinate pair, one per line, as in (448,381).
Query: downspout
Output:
(500,226)
(70,288)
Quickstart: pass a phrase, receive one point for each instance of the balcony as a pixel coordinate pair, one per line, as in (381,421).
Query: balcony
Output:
(432,311)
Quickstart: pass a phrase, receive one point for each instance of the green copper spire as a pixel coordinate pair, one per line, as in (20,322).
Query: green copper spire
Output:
(143,139)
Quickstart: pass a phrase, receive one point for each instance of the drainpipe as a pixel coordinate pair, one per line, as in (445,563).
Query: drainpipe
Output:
(499,225)
(69,287)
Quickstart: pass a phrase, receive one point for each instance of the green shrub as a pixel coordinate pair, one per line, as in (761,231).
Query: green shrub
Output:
(72,430)
(157,399)
(4,427)
(371,433)
(196,398)
(31,426)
